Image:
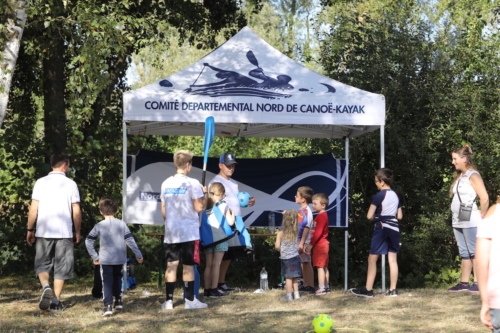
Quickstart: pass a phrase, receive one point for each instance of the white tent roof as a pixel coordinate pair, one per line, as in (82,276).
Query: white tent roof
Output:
(252,90)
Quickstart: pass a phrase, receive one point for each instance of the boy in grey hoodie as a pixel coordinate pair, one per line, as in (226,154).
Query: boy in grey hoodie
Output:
(114,237)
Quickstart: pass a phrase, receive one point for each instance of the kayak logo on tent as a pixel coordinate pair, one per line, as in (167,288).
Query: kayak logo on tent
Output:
(232,83)
(149,196)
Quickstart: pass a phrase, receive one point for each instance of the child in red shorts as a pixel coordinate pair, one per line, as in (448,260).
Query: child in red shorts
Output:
(319,241)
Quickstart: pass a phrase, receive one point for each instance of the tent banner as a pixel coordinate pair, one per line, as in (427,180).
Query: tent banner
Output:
(273,183)
(246,80)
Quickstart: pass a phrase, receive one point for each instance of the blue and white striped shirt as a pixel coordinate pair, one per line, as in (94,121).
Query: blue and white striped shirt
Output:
(387,203)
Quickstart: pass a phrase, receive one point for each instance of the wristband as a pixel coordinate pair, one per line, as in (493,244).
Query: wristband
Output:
(31,230)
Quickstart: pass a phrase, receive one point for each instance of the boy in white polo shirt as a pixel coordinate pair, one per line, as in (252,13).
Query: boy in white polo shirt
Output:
(55,207)
(181,200)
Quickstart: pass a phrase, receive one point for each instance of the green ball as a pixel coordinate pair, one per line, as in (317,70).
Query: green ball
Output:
(322,323)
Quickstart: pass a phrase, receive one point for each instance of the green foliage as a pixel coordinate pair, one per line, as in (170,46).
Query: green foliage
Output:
(446,277)
(437,70)
(8,253)
(67,95)
(436,63)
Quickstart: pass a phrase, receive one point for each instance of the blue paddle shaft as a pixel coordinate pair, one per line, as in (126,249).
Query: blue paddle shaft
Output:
(209,138)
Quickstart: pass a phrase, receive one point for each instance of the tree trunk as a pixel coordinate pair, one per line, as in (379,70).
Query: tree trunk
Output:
(53,95)
(11,51)
(54,107)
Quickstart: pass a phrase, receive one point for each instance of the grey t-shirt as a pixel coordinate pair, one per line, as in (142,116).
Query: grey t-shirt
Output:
(114,237)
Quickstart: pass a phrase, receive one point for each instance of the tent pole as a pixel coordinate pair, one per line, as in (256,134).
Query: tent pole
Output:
(124,196)
(124,171)
(382,165)
(346,252)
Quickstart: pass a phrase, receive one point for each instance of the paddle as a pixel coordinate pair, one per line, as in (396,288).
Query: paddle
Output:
(252,59)
(209,138)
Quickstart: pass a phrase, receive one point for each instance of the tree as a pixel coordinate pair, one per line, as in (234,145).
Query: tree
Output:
(11,31)
(67,90)
(436,64)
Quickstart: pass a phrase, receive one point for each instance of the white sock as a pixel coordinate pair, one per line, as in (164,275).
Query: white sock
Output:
(46,286)
(296,294)
(288,295)
(55,300)
(322,287)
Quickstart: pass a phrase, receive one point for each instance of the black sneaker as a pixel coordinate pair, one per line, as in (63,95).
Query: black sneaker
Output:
(328,290)
(57,307)
(392,293)
(362,292)
(214,293)
(280,286)
(118,304)
(107,311)
(474,288)
(46,299)
(459,287)
(320,292)
(206,293)
(307,290)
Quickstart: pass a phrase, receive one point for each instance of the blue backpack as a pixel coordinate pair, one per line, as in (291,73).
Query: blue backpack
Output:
(242,240)
(214,228)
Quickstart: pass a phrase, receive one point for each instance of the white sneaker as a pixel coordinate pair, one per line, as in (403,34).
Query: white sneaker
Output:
(286,298)
(168,305)
(194,304)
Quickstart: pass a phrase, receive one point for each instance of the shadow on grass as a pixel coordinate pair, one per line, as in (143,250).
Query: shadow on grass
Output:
(420,311)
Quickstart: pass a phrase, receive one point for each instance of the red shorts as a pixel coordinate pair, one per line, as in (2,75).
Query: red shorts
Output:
(320,254)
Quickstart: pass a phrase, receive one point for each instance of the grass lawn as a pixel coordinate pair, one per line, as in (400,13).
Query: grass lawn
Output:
(420,310)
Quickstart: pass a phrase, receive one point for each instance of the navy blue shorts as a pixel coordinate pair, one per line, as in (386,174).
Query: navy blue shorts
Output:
(385,240)
(291,268)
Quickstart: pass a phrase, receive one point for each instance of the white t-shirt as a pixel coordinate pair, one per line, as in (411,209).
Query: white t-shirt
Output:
(467,195)
(489,228)
(55,194)
(182,223)
(310,220)
(232,191)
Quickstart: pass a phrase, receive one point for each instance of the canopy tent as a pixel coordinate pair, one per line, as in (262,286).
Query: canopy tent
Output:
(252,90)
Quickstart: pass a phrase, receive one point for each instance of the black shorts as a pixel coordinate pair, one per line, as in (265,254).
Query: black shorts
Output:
(188,252)
(230,254)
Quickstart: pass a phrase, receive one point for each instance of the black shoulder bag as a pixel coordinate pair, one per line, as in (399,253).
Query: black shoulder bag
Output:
(465,210)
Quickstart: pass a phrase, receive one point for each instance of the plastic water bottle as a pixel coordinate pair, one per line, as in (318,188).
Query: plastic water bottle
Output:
(263,279)
(271,222)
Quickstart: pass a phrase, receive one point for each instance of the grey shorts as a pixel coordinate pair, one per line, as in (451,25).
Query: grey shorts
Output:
(57,253)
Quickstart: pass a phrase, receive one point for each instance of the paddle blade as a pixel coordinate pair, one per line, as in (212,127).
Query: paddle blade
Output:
(209,137)
(252,59)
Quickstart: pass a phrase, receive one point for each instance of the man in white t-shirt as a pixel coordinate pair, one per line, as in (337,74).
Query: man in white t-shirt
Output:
(55,207)
(181,200)
(227,165)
